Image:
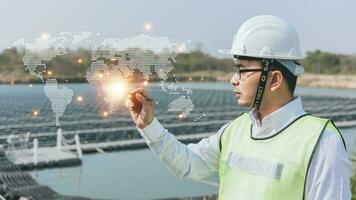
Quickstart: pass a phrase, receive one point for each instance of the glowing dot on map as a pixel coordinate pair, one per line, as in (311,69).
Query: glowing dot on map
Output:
(181,49)
(35,113)
(80,60)
(105,114)
(148,26)
(79,98)
(44,36)
(49,73)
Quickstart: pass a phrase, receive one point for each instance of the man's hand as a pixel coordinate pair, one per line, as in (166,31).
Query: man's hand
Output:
(140,108)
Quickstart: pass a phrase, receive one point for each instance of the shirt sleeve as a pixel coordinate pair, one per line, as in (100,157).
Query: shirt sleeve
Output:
(330,170)
(195,161)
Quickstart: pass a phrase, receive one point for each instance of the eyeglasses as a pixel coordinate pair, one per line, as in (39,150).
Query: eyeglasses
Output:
(239,71)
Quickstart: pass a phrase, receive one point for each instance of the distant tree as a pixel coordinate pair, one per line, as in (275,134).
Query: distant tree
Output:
(199,61)
(327,63)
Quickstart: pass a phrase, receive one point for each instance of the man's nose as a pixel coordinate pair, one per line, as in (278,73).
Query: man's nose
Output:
(234,80)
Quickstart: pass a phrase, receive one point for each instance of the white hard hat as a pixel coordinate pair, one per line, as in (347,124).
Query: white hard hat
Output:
(267,36)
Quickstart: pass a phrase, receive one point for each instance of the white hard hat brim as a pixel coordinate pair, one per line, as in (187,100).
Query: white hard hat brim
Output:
(296,69)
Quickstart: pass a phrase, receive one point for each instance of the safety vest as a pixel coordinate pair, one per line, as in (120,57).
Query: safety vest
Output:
(273,168)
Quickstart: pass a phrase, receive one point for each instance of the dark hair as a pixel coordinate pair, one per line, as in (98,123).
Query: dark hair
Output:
(288,75)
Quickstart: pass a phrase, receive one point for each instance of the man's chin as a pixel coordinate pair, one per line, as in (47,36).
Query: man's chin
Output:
(243,104)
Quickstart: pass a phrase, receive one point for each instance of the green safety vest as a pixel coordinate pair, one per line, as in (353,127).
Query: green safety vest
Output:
(272,168)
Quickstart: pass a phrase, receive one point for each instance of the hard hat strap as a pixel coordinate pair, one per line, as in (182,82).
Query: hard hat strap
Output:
(262,84)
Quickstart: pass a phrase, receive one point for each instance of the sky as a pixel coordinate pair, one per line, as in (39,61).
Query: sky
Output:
(321,24)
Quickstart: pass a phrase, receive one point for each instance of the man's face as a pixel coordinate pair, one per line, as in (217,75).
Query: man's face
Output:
(246,85)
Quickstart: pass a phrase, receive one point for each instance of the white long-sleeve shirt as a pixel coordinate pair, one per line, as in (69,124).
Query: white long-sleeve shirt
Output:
(327,178)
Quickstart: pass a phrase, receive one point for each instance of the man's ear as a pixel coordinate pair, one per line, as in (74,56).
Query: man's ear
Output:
(276,80)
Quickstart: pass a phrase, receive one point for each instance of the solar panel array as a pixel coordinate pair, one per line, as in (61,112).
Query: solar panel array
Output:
(86,119)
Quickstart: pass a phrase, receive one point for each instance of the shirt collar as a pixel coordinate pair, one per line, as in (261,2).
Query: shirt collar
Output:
(277,120)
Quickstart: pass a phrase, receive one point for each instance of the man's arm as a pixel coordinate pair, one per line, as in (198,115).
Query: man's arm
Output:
(330,170)
(196,161)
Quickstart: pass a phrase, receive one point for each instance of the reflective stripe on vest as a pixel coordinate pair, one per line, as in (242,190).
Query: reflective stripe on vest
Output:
(271,169)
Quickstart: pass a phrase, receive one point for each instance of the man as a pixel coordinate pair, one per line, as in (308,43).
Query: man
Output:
(275,151)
